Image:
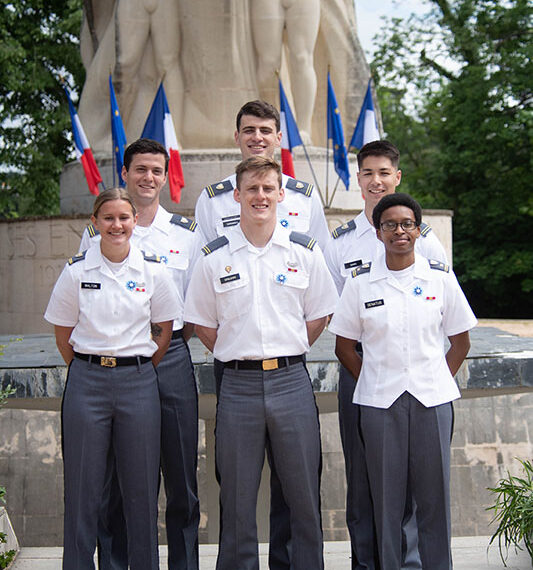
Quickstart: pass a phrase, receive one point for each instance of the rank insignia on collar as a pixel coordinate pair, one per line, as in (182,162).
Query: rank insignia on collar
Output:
(227,268)
(417,290)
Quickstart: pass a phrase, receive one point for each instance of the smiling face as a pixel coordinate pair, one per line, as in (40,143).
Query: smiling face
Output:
(398,242)
(377,177)
(115,221)
(257,137)
(145,178)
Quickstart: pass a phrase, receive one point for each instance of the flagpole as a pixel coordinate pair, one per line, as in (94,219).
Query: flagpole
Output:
(314,175)
(112,141)
(327,151)
(334,190)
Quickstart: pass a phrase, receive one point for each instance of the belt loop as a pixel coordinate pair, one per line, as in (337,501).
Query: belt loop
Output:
(287,363)
(138,358)
(236,365)
(89,362)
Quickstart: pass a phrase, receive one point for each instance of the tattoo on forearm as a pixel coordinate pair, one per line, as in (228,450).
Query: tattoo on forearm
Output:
(156,330)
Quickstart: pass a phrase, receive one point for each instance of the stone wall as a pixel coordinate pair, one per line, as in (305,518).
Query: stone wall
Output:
(489,433)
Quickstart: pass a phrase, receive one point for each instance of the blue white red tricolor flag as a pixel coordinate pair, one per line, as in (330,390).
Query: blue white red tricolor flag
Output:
(82,149)
(336,134)
(290,135)
(117,131)
(160,127)
(366,128)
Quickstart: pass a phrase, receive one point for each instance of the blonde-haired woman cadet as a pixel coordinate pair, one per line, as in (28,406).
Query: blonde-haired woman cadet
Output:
(112,308)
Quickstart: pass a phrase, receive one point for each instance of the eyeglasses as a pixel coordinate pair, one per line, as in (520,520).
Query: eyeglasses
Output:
(407,226)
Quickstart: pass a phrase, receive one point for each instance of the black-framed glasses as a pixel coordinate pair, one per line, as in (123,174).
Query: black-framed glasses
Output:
(407,226)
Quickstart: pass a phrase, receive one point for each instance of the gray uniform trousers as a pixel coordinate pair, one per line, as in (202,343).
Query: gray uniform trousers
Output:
(179,459)
(103,408)
(407,447)
(256,408)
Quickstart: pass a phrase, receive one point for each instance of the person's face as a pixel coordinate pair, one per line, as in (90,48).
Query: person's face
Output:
(258,194)
(145,178)
(257,137)
(398,241)
(377,178)
(115,222)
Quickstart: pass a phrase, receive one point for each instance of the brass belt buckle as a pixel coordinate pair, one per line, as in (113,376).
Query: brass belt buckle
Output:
(109,361)
(271,364)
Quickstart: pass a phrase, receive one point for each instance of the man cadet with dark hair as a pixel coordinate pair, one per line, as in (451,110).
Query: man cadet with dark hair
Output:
(354,244)
(258,133)
(177,241)
(259,298)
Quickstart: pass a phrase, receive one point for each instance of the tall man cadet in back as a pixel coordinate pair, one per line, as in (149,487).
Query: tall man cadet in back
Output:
(258,134)
(353,244)
(259,298)
(177,241)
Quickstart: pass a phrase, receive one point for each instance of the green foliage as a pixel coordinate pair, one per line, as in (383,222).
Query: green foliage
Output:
(455,92)
(4,394)
(9,555)
(514,512)
(39,44)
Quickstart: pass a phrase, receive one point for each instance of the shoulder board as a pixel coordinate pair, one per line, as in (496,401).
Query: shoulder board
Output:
(424,229)
(214,245)
(303,187)
(365,268)
(92,231)
(439,265)
(219,188)
(154,258)
(183,222)
(348,227)
(77,257)
(303,239)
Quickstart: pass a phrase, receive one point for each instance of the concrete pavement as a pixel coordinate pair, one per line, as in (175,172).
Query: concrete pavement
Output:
(469,553)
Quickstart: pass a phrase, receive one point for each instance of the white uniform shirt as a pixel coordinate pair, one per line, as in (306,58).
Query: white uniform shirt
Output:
(260,300)
(177,246)
(402,330)
(297,212)
(111,313)
(361,245)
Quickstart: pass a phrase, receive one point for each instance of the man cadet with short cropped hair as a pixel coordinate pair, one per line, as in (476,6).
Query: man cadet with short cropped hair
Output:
(177,241)
(258,133)
(259,298)
(354,244)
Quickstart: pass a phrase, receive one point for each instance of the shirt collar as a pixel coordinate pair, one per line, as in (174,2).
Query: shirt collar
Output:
(161,220)
(362,225)
(237,239)
(94,258)
(379,269)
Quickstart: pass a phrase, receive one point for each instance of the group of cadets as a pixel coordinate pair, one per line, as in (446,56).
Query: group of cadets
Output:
(249,277)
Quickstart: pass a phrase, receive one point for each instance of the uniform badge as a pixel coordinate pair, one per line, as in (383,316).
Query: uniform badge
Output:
(164,259)
(284,223)
(130,285)
(417,291)
(299,185)
(293,213)
(292,263)
(292,269)
(227,268)
(430,298)
(174,251)
(219,186)
(280,278)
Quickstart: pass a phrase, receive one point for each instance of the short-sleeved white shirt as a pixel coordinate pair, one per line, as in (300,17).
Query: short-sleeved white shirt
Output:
(260,300)
(361,245)
(178,248)
(111,312)
(297,212)
(403,330)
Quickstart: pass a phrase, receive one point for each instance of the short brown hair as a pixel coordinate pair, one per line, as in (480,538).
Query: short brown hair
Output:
(113,194)
(379,148)
(259,164)
(144,146)
(260,109)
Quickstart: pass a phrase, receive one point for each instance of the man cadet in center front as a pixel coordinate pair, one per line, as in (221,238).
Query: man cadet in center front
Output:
(258,133)
(259,298)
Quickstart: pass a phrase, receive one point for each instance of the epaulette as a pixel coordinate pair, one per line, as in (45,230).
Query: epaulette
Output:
(183,222)
(219,188)
(153,257)
(303,239)
(77,257)
(347,227)
(92,231)
(303,187)
(365,268)
(424,229)
(214,245)
(439,265)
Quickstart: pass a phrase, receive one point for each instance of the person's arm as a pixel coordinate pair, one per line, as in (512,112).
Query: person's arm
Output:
(315,328)
(460,345)
(207,335)
(188,330)
(62,342)
(348,357)
(161,334)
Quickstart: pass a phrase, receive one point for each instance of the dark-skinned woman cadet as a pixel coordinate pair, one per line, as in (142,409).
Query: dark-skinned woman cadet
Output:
(112,308)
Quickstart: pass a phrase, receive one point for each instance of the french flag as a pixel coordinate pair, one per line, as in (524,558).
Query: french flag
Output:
(160,127)
(290,135)
(366,128)
(83,151)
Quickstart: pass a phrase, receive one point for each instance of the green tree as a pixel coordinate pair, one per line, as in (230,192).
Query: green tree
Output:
(40,43)
(455,89)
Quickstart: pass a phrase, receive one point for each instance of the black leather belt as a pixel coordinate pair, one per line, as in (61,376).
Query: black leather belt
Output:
(270,364)
(177,334)
(112,361)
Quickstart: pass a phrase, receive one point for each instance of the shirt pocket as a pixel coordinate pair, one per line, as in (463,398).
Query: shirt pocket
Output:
(232,296)
(178,261)
(290,288)
(295,221)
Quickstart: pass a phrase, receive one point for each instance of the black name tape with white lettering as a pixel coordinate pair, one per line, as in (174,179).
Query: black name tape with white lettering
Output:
(350,264)
(86,285)
(230,278)
(376,303)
